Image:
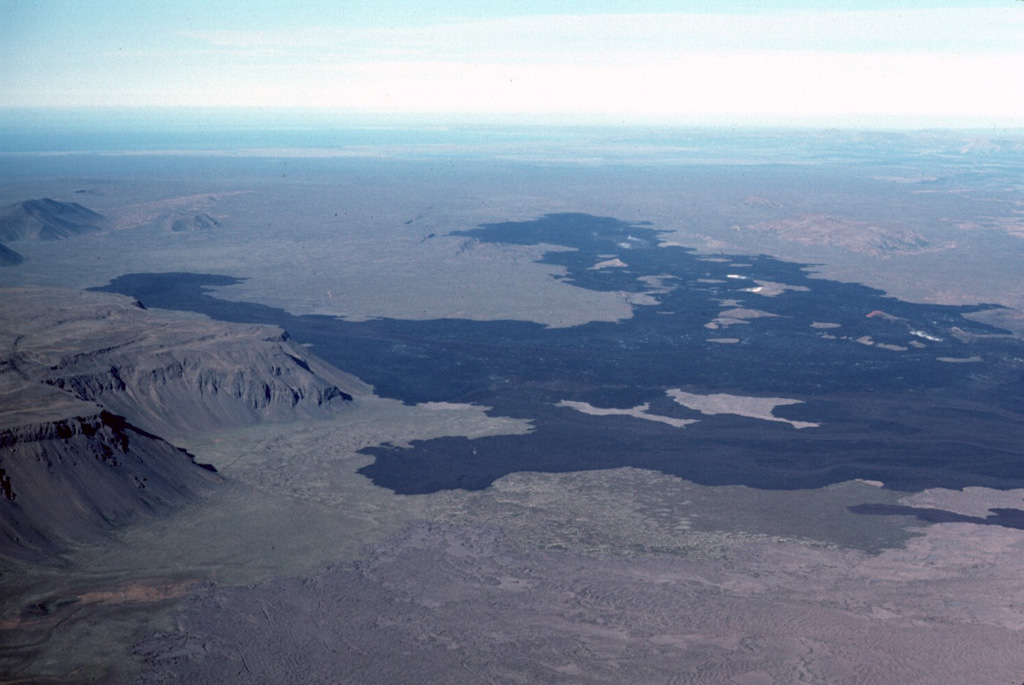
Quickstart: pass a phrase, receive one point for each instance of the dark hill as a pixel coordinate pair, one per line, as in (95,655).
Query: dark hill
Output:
(9,257)
(47,219)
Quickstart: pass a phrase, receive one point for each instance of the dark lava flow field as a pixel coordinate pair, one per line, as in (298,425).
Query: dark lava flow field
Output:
(891,404)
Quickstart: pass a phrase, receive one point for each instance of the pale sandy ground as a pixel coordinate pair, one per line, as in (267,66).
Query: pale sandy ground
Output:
(292,504)
(609,264)
(729,584)
(773,289)
(752,407)
(972,501)
(736,315)
(365,248)
(778,607)
(638,412)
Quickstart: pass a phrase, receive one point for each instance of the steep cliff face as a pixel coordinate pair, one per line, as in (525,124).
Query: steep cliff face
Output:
(91,384)
(71,478)
(232,379)
(167,374)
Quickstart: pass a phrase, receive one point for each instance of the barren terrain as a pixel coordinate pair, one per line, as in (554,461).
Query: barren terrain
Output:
(292,563)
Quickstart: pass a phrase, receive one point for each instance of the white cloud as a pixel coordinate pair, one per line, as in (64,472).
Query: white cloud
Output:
(752,86)
(596,37)
(829,66)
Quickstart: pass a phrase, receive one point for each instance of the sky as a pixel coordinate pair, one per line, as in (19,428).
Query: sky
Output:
(726,62)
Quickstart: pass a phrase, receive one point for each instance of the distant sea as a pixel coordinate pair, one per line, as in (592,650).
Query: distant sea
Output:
(316,134)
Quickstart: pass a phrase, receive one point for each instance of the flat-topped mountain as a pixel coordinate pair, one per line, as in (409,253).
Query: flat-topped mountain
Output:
(90,381)
(167,373)
(47,219)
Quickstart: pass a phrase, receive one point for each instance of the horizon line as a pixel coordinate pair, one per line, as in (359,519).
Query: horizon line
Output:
(228,114)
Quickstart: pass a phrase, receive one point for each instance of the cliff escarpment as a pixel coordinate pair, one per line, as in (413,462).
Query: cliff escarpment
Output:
(168,374)
(70,478)
(234,378)
(92,386)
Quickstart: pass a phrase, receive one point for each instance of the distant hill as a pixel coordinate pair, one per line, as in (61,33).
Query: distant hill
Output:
(47,219)
(852,236)
(181,222)
(9,257)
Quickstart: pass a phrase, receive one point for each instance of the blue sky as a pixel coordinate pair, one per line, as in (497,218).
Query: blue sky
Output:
(785,62)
